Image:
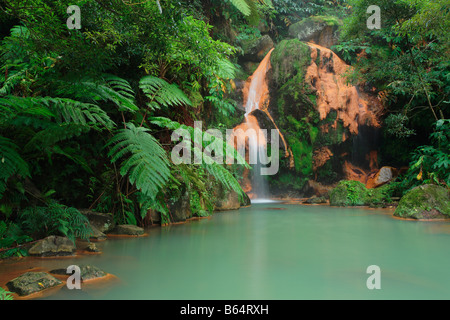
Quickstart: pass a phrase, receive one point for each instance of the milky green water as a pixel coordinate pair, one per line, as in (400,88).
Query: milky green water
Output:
(299,252)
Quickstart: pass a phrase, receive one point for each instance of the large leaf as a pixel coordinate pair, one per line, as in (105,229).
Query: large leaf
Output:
(145,161)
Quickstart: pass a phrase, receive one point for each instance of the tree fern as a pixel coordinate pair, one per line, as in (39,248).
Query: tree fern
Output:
(11,163)
(218,171)
(147,165)
(162,94)
(109,88)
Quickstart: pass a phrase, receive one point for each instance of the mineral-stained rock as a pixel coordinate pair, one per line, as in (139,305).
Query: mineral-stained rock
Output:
(31,282)
(383,176)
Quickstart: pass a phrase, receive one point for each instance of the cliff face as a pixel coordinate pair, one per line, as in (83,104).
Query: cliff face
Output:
(321,116)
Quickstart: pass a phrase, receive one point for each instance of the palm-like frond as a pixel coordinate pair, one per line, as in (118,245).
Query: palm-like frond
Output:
(146,164)
(162,94)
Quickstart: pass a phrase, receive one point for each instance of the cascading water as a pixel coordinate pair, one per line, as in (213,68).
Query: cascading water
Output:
(256,96)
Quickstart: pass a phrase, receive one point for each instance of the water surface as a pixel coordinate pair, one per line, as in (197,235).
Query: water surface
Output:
(277,251)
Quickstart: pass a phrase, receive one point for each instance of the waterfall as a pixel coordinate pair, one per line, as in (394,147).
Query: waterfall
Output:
(256,97)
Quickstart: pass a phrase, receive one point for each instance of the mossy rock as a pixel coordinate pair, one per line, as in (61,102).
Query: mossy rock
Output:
(425,202)
(32,282)
(322,30)
(355,193)
(348,193)
(256,49)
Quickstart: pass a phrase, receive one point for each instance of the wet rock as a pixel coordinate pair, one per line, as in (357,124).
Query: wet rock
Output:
(104,222)
(321,30)
(52,246)
(316,200)
(87,272)
(425,202)
(227,200)
(97,234)
(180,210)
(91,247)
(32,282)
(129,230)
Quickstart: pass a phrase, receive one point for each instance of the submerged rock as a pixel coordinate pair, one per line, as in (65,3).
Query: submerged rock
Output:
(52,246)
(425,202)
(32,282)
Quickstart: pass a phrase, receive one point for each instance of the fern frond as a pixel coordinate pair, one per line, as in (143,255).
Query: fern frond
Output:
(162,94)
(11,163)
(54,133)
(63,109)
(73,111)
(228,149)
(225,177)
(242,6)
(112,88)
(147,164)
(12,106)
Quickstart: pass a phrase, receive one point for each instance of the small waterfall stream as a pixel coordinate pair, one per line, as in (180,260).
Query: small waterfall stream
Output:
(256,96)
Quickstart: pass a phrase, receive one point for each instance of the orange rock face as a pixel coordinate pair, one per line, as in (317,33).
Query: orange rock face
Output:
(326,75)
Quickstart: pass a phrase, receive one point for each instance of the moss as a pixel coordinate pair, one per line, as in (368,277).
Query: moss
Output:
(329,20)
(348,193)
(425,202)
(355,193)
(290,59)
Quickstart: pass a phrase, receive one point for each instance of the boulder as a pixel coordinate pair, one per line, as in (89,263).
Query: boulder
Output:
(316,200)
(425,202)
(227,200)
(104,222)
(129,230)
(256,49)
(383,176)
(180,210)
(87,272)
(321,30)
(97,234)
(348,193)
(52,246)
(32,282)
(245,201)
